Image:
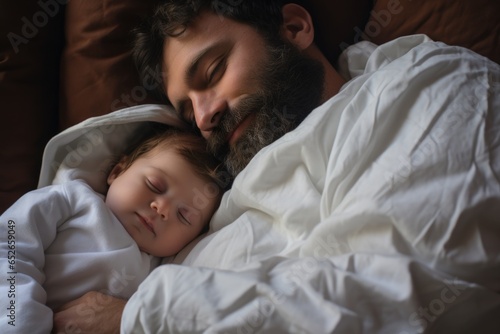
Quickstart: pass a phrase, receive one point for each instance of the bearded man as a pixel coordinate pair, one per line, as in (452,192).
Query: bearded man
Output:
(357,207)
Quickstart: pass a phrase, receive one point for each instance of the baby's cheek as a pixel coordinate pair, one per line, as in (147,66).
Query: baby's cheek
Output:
(113,201)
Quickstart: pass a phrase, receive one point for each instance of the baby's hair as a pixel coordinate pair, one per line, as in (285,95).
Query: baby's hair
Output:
(188,145)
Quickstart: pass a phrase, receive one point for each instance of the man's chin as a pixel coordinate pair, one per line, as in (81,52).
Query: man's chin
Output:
(239,156)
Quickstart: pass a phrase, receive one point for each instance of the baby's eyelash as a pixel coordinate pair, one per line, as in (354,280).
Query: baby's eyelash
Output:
(183,218)
(152,187)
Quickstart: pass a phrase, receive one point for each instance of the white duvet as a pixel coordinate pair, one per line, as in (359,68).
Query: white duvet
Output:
(380,213)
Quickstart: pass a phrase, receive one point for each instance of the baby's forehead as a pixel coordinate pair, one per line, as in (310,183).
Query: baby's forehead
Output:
(171,161)
(161,154)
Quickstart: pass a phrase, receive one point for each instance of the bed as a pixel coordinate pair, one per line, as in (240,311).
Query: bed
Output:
(357,271)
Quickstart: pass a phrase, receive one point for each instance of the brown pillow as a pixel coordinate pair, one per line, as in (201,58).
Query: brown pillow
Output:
(30,47)
(474,24)
(97,72)
(337,23)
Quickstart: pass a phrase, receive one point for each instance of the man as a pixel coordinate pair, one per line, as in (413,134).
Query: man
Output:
(217,84)
(247,77)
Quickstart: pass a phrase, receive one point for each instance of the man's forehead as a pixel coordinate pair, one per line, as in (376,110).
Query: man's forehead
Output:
(206,23)
(206,29)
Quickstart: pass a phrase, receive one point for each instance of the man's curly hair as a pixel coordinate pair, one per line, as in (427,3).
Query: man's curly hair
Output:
(172,17)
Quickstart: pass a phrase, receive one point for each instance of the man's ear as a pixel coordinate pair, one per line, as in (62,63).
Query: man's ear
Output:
(297,27)
(116,171)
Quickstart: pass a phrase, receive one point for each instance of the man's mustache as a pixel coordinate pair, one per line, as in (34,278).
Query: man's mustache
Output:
(230,119)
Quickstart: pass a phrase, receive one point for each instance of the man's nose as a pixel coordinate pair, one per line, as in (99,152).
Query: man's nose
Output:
(208,111)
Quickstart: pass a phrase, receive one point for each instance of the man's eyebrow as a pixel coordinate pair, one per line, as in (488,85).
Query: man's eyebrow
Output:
(195,63)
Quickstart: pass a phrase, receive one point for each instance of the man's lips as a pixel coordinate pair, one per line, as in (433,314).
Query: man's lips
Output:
(240,128)
(147,223)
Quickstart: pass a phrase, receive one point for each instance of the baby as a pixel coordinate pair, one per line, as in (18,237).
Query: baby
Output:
(61,241)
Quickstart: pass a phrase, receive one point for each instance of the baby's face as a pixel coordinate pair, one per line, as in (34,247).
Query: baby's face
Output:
(162,203)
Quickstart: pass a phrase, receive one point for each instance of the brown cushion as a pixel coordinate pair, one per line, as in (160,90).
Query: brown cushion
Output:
(97,70)
(338,23)
(30,46)
(474,24)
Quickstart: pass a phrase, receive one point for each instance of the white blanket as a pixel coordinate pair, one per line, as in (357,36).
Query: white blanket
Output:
(380,213)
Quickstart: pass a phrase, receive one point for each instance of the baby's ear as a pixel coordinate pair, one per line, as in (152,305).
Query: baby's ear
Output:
(116,171)
(298,26)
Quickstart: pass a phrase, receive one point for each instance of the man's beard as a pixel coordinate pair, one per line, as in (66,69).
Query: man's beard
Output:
(291,87)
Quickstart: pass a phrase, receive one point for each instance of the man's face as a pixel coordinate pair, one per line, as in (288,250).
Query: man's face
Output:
(241,91)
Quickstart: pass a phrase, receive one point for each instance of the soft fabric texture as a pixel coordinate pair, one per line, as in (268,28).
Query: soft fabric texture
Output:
(97,70)
(86,150)
(474,24)
(63,241)
(378,214)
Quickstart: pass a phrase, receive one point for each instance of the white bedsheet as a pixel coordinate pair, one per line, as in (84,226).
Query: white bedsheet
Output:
(380,213)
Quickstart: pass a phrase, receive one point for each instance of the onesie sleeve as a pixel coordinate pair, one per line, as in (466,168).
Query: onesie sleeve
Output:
(27,228)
